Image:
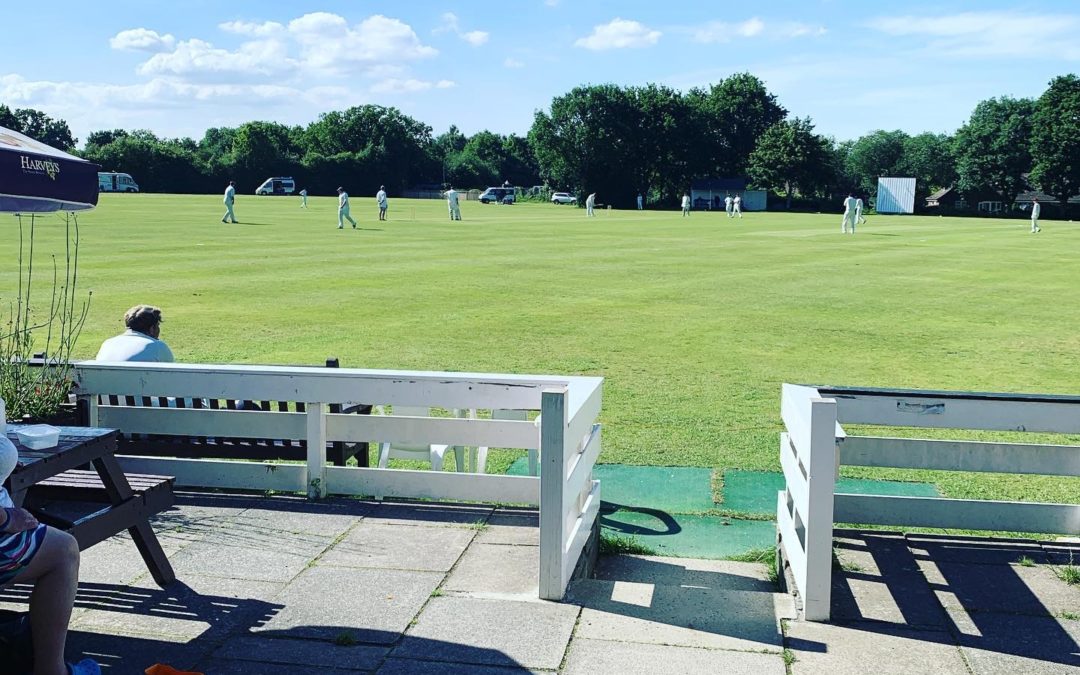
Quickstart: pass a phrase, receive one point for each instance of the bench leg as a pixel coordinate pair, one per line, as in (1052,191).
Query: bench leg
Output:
(152,554)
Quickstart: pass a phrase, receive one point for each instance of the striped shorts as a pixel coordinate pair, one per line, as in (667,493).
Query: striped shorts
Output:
(17,550)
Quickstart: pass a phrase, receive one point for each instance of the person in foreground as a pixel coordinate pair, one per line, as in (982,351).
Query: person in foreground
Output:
(140,342)
(32,553)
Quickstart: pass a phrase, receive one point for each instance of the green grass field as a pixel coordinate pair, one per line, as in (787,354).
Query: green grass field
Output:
(694,322)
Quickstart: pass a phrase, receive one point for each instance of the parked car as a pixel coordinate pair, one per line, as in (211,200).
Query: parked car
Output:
(563,198)
(498,195)
(278,185)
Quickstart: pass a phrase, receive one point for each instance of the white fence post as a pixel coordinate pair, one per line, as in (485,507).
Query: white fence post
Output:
(316,450)
(553,424)
(821,480)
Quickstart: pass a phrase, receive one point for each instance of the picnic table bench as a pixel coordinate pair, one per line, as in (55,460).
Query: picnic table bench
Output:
(92,504)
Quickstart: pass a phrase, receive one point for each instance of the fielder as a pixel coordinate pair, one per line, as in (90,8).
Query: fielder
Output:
(343,209)
(736,206)
(590,203)
(230,197)
(380,199)
(849,214)
(640,201)
(729,206)
(1036,209)
(858,213)
(685,205)
(452,204)
(303,198)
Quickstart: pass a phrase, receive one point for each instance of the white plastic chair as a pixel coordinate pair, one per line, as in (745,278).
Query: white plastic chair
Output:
(479,456)
(431,453)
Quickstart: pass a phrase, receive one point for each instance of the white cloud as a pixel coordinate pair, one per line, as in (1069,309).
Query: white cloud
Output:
(475,37)
(408,86)
(750,27)
(200,60)
(619,34)
(143,40)
(328,43)
(264,29)
(451,24)
(721,31)
(512,63)
(990,33)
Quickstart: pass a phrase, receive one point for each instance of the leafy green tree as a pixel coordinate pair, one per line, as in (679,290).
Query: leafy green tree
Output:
(731,115)
(928,157)
(1055,139)
(39,126)
(790,154)
(879,153)
(993,149)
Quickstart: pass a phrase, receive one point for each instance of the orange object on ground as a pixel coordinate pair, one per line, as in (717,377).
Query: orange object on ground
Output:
(162,669)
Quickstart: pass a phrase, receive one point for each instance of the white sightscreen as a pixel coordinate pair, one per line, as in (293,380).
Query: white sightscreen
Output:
(895,195)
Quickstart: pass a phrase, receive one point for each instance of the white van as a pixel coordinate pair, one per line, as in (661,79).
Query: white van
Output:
(110,181)
(279,185)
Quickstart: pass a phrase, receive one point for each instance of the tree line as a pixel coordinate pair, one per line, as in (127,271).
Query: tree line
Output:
(615,141)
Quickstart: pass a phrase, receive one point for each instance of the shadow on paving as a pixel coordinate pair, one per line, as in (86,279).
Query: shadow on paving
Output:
(965,592)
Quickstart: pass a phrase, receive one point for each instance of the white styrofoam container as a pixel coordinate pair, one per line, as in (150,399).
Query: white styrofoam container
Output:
(38,436)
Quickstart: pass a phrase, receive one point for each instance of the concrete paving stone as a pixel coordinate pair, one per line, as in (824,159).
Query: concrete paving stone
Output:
(589,657)
(507,526)
(875,554)
(903,598)
(314,654)
(662,571)
(1012,589)
(859,648)
(973,550)
(325,517)
(371,605)
(411,667)
(252,534)
(428,513)
(433,549)
(687,617)
(490,632)
(241,559)
(497,569)
(233,667)
(117,561)
(127,655)
(1005,644)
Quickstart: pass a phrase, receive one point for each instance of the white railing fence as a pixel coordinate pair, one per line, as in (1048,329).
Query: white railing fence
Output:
(815,441)
(568,435)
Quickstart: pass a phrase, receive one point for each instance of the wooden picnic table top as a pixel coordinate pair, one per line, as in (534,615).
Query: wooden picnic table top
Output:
(77,446)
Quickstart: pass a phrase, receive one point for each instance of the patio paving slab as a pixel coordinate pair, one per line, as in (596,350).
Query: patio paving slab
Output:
(860,648)
(681,616)
(313,654)
(244,560)
(369,605)
(1006,644)
(491,632)
(431,549)
(126,655)
(590,657)
(511,527)
(1012,589)
(497,569)
(662,571)
(973,550)
(411,667)
(424,513)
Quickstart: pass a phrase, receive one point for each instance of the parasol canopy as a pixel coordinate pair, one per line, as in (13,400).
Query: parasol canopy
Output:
(37,178)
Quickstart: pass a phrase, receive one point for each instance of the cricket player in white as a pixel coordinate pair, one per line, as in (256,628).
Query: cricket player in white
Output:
(736,206)
(452,204)
(590,202)
(303,198)
(640,201)
(1036,209)
(849,214)
(858,212)
(729,206)
(685,205)
(343,209)
(230,197)
(380,199)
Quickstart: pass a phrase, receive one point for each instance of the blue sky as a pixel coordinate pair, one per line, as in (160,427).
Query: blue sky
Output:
(179,67)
